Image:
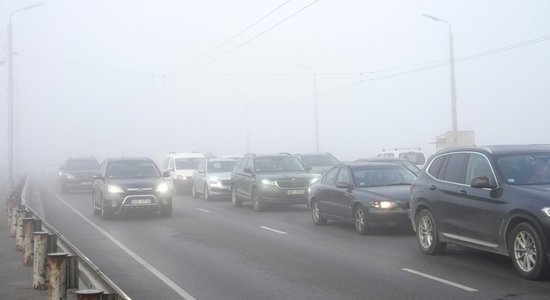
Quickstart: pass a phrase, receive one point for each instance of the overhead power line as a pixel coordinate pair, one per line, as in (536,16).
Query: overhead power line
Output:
(232,38)
(252,39)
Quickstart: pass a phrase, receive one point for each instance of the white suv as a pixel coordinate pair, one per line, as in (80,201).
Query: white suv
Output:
(413,155)
(181,167)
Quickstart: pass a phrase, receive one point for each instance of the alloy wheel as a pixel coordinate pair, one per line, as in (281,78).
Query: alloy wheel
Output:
(425,232)
(525,251)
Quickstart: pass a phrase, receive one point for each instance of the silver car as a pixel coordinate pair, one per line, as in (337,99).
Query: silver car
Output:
(213,178)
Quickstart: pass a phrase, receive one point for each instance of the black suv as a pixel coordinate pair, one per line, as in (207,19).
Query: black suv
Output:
(131,185)
(77,174)
(494,198)
(263,179)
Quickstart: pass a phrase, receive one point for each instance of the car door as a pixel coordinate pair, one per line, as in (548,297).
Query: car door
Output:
(237,175)
(342,198)
(324,191)
(479,211)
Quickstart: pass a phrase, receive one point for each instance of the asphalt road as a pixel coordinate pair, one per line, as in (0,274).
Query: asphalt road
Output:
(211,250)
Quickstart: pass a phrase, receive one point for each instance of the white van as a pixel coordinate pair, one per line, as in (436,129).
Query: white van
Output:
(413,155)
(181,166)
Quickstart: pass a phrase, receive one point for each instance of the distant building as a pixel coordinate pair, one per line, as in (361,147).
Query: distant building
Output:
(464,138)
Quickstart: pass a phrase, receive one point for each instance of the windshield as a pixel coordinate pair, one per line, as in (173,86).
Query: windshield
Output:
(526,169)
(188,163)
(319,160)
(221,166)
(88,164)
(369,176)
(132,169)
(416,158)
(409,165)
(277,164)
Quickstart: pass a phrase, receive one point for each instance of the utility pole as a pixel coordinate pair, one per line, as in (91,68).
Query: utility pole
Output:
(11,161)
(316,112)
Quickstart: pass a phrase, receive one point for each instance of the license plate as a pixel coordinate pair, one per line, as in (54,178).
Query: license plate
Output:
(141,201)
(296,192)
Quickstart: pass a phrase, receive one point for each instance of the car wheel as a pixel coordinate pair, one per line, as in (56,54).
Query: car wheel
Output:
(194,192)
(257,203)
(235,201)
(206,193)
(96,210)
(427,234)
(316,214)
(527,252)
(360,220)
(166,209)
(105,213)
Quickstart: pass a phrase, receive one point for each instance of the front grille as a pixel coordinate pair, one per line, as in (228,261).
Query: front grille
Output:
(292,184)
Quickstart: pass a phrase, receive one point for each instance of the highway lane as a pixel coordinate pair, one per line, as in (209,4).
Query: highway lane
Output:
(211,250)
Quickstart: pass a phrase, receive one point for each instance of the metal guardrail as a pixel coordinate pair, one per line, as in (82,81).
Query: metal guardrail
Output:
(28,228)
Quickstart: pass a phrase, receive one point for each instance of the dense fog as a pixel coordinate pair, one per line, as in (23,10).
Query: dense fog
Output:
(110,78)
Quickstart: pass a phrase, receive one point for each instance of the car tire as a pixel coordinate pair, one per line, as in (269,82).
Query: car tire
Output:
(235,201)
(194,192)
(166,209)
(94,207)
(257,203)
(427,234)
(105,213)
(316,214)
(360,220)
(527,251)
(206,193)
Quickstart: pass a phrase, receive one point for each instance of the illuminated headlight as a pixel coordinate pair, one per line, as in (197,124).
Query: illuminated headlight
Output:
(383,204)
(163,187)
(114,189)
(315,179)
(546,211)
(69,176)
(60,173)
(268,182)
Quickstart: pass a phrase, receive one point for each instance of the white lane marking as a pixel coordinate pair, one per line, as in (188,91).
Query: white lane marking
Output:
(204,210)
(273,230)
(460,286)
(140,260)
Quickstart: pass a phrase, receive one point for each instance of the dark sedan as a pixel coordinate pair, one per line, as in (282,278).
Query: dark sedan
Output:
(365,194)
(77,174)
(131,185)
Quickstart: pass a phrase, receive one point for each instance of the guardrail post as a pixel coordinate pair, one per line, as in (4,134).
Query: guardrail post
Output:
(28,229)
(20,214)
(88,294)
(9,208)
(57,268)
(40,260)
(13,225)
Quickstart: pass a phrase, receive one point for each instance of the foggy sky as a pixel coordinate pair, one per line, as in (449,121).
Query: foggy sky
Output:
(107,78)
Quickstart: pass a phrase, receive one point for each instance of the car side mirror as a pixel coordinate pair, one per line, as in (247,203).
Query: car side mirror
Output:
(344,185)
(201,172)
(247,170)
(166,174)
(97,176)
(482,182)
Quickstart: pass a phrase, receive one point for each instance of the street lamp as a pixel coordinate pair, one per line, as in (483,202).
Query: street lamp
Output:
(453,84)
(315,109)
(10,93)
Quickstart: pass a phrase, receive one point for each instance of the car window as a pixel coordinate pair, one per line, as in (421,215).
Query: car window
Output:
(344,176)
(249,163)
(188,163)
(220,166)
(277,164)
(455,169)
(132,169)
(435,166)
(478,166)
(330,177)
(319,160)
(369,176)
(525,169)
(414,157)
(166,164)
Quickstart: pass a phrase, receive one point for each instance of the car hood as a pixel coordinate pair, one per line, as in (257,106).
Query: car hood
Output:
(285,175)
(221,175)
(136,182)
(320,169)
(538,191)
(397,193)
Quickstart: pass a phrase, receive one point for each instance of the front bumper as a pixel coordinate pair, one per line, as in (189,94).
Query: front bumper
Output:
(393,217)
(125,203)
(281,196)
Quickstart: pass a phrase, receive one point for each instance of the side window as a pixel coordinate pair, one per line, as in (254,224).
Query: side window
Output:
(202,166)
(250,163)
(344,176)
(456,166)
(478,166)
(435,166)
(388,155)
(103,168)
(166,163)
(330,177)
(171,164)
(242,163)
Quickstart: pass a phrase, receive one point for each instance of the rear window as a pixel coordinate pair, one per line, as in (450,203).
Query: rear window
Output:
(319,160)
(416,158)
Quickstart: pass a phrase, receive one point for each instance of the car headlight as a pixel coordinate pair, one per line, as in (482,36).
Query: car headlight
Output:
(69,176)
(114,189)
(546,211)
(383,204)
(213,180)
(314,180)
(163,187)
(268,182)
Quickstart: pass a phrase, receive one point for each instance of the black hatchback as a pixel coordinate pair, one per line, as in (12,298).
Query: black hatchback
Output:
(494,198)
